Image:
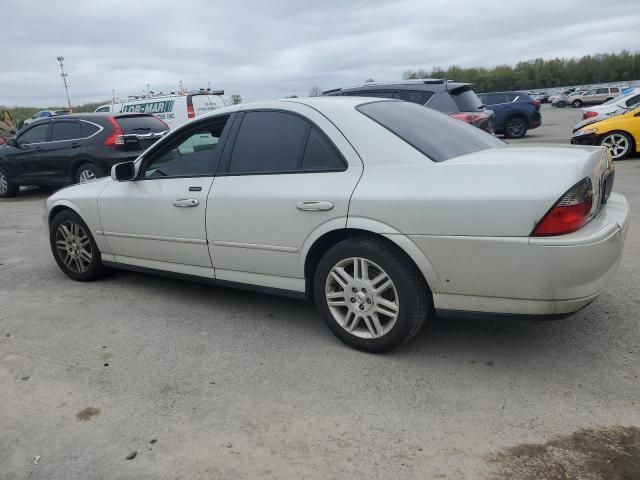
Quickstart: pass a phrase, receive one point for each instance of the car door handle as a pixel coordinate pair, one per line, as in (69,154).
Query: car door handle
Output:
(185,202)
(314,206)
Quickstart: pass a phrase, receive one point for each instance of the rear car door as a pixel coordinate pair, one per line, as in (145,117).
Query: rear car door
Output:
(64,146)
(499,103)
(30,153)
(289,176)
(158,220)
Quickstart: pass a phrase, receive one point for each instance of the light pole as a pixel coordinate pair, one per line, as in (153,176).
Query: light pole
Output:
(64,79)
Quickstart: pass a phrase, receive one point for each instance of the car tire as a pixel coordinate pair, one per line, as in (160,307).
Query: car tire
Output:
(576,103)
(374,315)
(561,104)
(620,144)
(8,189)
(515,127)
(87,172)
(74,248)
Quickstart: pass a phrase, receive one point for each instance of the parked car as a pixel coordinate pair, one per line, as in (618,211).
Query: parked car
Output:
(628,100)
(620,134)
(603,116)
(173,109)
(455,99)
(593,96)
(514,112)
(42,114)
(381,210)
(74,148)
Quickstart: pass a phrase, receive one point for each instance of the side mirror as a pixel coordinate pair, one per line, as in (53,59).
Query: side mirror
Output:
(122,172)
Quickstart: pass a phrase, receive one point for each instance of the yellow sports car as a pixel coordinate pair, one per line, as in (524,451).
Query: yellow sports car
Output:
(621,133)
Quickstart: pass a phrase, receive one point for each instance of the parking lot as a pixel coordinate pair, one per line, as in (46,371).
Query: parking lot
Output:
(205,382)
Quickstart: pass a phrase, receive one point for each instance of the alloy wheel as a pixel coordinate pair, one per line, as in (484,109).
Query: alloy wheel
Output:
(86,176)
(73,247)
(517,128)
(4,182)
(617,144)
(362,298)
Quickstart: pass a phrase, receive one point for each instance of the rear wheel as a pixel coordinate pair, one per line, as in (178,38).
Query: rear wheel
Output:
(87,172)
(618,143)
(576,103)
(7,187)
(515,127)
(370,294)
(74,248)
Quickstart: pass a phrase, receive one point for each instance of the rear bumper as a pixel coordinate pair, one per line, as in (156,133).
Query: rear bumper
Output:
(536,120)
(528,276)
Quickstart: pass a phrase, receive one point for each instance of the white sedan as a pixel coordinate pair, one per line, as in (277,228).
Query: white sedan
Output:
(382,211)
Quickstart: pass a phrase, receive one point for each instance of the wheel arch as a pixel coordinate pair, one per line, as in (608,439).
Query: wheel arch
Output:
(520,115)
(76,163)
(317,245)
(60,206)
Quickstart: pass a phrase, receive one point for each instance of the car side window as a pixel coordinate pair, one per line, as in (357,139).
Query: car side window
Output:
(633,101)
(192,154)
(496,98)
(268,142)
(36,134)
(65,131)
(320,154)
(600,91)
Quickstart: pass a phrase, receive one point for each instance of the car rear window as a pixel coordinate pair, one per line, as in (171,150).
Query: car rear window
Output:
(141,124)
(436,135)
(466,99)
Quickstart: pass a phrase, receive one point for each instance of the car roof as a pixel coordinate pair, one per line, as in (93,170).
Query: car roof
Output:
(441,84)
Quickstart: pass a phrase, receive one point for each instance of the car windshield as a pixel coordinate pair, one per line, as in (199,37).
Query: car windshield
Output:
(436,135)
(466,99)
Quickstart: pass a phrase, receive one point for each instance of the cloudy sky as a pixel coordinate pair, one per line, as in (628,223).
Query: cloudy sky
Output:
(273,48)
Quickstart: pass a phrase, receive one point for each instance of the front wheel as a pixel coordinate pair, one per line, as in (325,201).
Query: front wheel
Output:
(560,104)
(515,127)
(370,294)
(8,189)
(74,248)
(618,143)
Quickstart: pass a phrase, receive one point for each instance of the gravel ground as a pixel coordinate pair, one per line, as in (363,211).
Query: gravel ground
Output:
(204,382)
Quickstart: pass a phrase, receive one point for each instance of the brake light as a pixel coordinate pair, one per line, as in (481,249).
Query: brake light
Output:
(116,137)
(472,118)
(535,103)
(589,114)
(191,113)
(569,213)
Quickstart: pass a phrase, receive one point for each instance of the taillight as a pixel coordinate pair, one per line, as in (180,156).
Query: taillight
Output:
(569,213)
(116,137)
(469,117)
(589,114)
(190,111)
(535,103)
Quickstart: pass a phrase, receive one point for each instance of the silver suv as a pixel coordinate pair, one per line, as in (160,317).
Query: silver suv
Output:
(593,96)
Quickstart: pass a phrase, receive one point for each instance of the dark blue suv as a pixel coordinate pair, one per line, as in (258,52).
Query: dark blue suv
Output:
(515,112)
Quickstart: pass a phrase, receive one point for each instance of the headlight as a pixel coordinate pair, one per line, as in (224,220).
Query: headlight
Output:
(586,131)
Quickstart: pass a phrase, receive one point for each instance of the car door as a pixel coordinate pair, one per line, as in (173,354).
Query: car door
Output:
(64,146)
(498,102)
(288,177)
(30,152)
(158,219)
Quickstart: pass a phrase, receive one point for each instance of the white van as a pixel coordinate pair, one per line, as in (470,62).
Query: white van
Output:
(173,109)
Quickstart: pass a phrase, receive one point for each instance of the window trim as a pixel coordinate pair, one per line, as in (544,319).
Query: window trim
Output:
(67,120)
(33,125)
(180,133)
(225,163)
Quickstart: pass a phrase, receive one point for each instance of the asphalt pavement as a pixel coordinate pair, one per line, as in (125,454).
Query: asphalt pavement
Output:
(215,383)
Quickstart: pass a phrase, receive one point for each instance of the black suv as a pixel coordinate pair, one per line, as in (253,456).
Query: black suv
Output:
(74,148)
(457,100)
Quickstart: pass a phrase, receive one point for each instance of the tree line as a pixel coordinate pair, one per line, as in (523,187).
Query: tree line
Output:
(540,73)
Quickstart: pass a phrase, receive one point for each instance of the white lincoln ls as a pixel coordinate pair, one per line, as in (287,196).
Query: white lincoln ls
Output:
(381,211)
